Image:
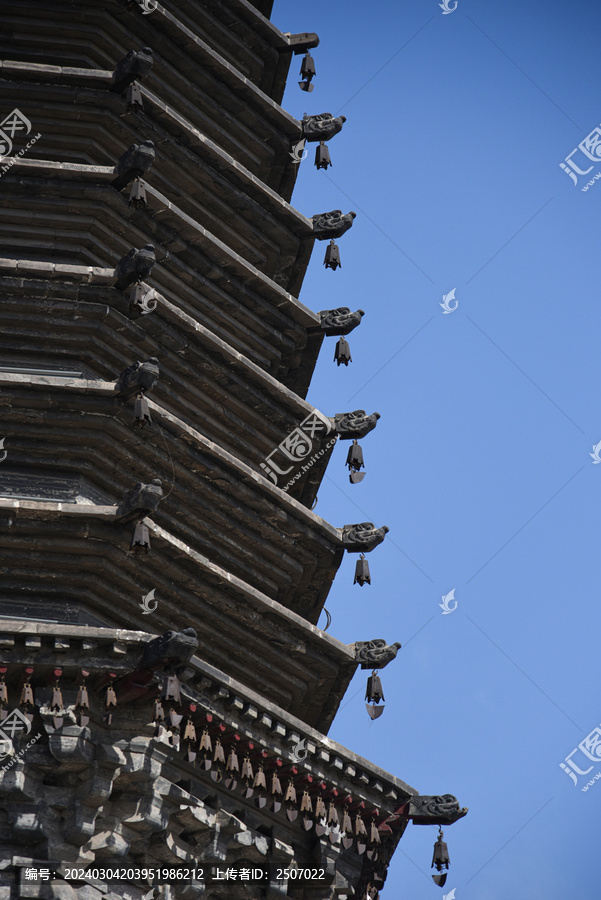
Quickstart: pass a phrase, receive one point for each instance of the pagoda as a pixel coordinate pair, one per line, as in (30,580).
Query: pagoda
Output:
(165,690)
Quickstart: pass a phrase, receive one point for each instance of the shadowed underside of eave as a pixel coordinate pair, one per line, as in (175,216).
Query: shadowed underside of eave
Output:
(186,69)
(92,225)
(215,505)
(244,709)
(53,556)
(91,127)
(226,400)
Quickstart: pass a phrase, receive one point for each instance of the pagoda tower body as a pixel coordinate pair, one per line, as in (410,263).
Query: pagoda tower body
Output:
(165,691)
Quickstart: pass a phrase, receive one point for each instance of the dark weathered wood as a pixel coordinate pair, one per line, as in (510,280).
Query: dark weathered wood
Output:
(123,659)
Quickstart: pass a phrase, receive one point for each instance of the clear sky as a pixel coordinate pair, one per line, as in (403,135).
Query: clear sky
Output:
(450,156)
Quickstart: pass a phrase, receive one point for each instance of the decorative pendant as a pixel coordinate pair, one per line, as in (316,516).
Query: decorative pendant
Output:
(290,801)
(57,701)
(3,688)
(361,834)
(260,784)
(171,690)
(276,791)
(109,702)
(82,705)
(306,807)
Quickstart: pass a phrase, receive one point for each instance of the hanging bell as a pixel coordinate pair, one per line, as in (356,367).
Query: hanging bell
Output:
(260,784)
(332,257)
(109,701)
(57,697)
(57,701)
(82,704)
(219,755)
(190,731)
(133,97)
(247,777)
(347,830)
(360,829)
(306,808)
(137,195)
(171,689)
(307,72)
(174,719)
(159,713)
(218,761)
(361,834)
(374,840)
(141,412)
(342,353)
(276,792)
(322,156)
(290,801)
(232,762)
(158,718)
(140,542)
(362,575)
(333,824)
(440,859)
(26,695)
(231,767)
(374,691)
(83,701)
(205,745)
(374,834)
(306,803)
(189,738)
(320,816)
(354,461)
(111,697)
(174,723)
(374,694)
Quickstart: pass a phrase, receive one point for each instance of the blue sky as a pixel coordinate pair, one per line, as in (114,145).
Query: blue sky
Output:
(456,128)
